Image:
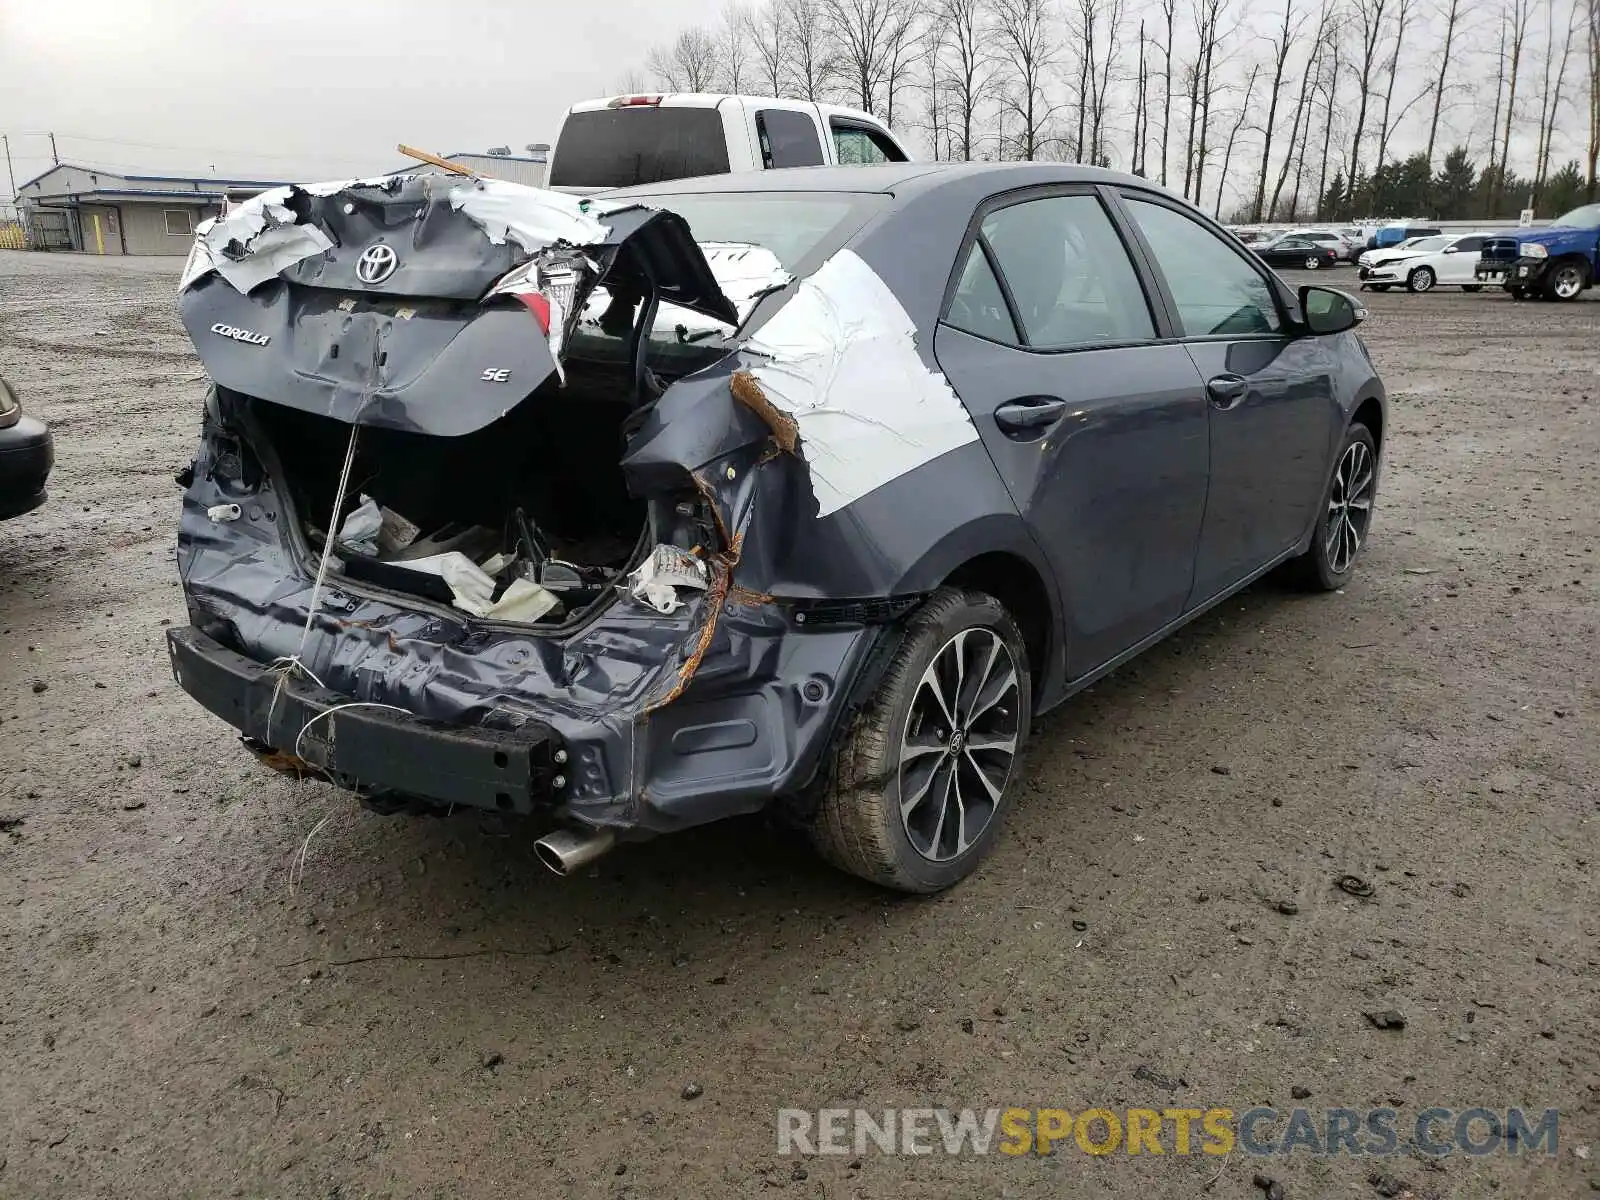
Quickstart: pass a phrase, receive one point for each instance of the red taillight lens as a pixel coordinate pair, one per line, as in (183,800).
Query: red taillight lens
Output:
(636,102)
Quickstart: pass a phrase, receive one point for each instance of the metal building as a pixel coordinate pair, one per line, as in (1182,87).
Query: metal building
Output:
(73,206)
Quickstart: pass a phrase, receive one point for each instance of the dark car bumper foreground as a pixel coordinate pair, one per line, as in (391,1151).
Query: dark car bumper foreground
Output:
(26,456)
(368,748)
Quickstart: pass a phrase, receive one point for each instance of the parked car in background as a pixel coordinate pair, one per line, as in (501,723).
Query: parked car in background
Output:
(26,456)
(1343,246)
(1557,262)
(972,436)
(1423,264)
(1298,253)
(1393,235)
(623,141)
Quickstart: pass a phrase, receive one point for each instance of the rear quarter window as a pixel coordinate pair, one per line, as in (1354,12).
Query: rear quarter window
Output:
(620,147)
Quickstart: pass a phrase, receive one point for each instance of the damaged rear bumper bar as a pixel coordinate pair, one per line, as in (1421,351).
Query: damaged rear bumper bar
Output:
(369,747)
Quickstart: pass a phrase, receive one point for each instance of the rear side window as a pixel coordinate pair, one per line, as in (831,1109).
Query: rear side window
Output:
(1215,290)
(788,139)
(1467,244)
(619,147)
(1071,279)
(978,305)
(860,146)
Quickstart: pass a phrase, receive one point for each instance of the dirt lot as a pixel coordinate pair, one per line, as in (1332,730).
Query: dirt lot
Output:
(428,1012)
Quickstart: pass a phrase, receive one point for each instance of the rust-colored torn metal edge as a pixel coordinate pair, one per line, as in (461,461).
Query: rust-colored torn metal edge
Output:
(282,761)
(785,429)
(716,597)
(744,595)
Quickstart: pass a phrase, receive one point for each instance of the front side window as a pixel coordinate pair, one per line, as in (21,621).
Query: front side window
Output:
(1214,289)
(858,146)
(788,138)
(1068,272)
(1469,243)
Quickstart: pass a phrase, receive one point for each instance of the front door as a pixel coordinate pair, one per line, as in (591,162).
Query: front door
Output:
(1097,427)
(1271,400)
(1459,261)
(102,231)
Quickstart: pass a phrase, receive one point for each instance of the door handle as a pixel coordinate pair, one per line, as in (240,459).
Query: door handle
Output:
(1226,391)
(1030,416)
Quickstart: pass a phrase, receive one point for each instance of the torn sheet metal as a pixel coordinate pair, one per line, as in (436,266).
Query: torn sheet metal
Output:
(533,218)
(359,532)
(657,579)
(841,358)
(255,240)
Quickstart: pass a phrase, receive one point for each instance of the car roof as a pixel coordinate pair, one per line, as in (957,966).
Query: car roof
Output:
(887,177)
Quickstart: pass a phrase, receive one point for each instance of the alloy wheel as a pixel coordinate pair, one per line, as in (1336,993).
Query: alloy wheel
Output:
(1422,280)
(1313,264)
(1567,283)
(959,744)
(1349,507)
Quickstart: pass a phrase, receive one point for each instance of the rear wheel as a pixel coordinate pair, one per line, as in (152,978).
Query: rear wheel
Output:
(920,779)
(1564,281)
(1346,515)
(1421,280)
(1313,264)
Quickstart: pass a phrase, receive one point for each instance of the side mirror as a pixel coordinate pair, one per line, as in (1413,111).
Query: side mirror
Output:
(1327,310)
(1449,250)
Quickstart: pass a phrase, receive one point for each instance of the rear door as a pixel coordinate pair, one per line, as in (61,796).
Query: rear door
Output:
(1094,417)
(1272,406)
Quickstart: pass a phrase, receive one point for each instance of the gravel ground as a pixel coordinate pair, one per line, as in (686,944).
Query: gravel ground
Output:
(425,1011)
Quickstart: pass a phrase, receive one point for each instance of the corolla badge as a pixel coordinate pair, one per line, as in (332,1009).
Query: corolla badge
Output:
(376,264)
(247,336)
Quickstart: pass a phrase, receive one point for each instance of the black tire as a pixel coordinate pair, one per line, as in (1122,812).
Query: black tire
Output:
(1379,287)
(1327,564)
(858,825)
(1565,281)
(1313,264)
(1517,293)
(1421,280)
(1471,287)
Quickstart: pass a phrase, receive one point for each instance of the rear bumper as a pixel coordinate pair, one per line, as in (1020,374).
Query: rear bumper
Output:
(369,748)
(27,453)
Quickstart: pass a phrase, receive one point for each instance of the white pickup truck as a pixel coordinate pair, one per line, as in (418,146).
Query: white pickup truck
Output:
(620,141)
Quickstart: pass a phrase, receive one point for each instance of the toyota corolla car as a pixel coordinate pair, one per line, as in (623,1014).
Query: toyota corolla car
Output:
(804,492)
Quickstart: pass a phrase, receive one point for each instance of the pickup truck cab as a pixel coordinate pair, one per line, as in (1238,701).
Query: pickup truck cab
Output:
(1558,262)
(620,141)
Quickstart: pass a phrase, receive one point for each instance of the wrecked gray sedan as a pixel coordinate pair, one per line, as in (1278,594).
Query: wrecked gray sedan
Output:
(804,492)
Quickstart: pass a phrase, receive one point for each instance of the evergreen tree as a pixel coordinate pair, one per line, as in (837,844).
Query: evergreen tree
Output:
(1455,188)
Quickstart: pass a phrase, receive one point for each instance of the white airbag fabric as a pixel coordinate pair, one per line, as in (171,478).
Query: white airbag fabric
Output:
(843,362)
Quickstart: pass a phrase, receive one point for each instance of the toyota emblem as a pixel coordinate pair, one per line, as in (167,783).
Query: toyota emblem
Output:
(376,264)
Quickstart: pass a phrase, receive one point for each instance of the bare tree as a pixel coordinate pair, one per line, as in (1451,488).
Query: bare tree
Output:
(1368,24)
(905,38)
(1023,32)
(1233,135)
(966,65)
(1100,77)
(1208,16)
(1300,127)
(1555,73)
(811,57)
(1517,34)
(1141,111)
(689,64)
(1499,95)
(1454,10)
(1594,95)
(767,30)
(1287,34)
(860,31)
(1169,10)
(1386,124)
(632,83)
(733,48)
(1328,86)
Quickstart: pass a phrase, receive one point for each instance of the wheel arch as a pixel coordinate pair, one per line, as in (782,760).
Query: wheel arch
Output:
(1020,587)
(1369,412)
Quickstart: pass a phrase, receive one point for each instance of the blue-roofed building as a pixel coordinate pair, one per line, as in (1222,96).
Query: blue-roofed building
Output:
(73,206)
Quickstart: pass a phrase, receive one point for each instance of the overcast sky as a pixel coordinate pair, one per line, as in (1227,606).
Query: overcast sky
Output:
(295,89)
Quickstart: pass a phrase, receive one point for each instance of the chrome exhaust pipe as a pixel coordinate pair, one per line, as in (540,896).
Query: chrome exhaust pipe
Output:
(566,850)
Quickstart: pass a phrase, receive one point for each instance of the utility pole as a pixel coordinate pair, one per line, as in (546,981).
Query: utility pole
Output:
(54,157)
(11,179)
